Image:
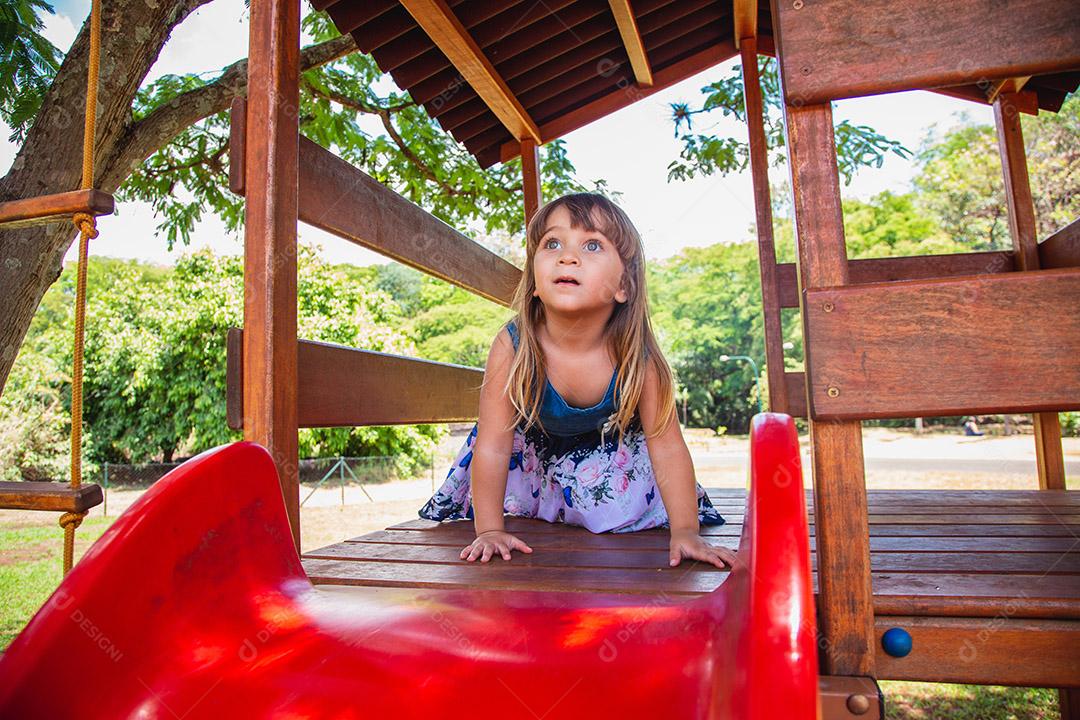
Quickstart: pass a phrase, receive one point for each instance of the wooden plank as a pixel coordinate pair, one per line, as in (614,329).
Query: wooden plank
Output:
(937,594)
(1000,651)
(237,144)
(50,496)
(872,270)
(987,545)
(819,62)
(912,497)
(620,98)
(234,379)
(990,343)
(924,562)
(745,14)
(446,31)
(631,38)
(795,382)
(59,207)
(840,508)
(532,186)
(269,373)
(1049,455)
(1062,249)
(345,201)
(759,173)
(340,386)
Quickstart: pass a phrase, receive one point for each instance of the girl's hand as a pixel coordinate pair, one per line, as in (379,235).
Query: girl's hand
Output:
(488,542)
(688,544)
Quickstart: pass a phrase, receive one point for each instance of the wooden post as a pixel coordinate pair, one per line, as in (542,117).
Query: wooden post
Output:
(759,171)
(271,151)
(1049,454)
(530,178)
(845,600)
(1048,451)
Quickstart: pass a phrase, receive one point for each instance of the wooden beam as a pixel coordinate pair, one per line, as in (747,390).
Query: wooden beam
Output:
(819,61)
(345,201)
(631,38)
(49,496)
(1002,650)
(269,372)
(1027,101)
(795,384)
(872,270)
(1008,85)
(53,208)
(1050,455)
(345,387)
(443,27)
(759,173)
(623,97)
(845,601)
(1062,249)
(531,183)
(964,345)
(745,15)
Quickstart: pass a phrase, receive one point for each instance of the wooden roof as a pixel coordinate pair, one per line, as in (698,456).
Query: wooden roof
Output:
(541,69)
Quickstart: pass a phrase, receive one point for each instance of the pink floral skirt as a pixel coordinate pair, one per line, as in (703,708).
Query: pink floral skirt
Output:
(600,484)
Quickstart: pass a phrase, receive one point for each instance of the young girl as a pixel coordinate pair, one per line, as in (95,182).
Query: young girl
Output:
(577,416)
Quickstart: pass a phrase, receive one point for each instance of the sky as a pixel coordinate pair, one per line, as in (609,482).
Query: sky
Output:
(631,149)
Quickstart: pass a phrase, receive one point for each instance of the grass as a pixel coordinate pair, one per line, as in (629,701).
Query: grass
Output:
(936,701)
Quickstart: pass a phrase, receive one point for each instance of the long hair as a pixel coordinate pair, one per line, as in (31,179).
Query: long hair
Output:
(628,333)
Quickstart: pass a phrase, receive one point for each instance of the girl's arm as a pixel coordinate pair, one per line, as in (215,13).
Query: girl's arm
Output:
(494,439)
(674,471)
(671,462)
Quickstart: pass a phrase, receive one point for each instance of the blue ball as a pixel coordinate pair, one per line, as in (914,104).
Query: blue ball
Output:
(896,642)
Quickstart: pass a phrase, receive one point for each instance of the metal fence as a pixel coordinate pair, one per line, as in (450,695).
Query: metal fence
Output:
(315,473)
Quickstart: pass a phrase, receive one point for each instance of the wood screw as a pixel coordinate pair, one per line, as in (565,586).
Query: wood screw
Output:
(797,4)
(828,307)
(833,391)
(858,704)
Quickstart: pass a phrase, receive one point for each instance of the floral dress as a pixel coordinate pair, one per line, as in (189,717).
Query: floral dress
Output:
(572,473)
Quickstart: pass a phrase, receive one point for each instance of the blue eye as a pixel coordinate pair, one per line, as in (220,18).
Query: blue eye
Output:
(593,242)
(547,243)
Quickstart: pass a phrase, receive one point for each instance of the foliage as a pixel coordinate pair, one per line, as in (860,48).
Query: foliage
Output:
(155,361)
(28,63)
(856,145)
(960,183)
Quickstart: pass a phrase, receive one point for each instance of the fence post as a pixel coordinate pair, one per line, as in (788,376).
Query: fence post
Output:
(105,493)
(341,473)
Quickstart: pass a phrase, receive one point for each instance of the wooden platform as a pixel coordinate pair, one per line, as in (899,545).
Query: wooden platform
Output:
(985,581)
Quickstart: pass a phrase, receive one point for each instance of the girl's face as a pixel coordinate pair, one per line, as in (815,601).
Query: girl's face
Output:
(576,270)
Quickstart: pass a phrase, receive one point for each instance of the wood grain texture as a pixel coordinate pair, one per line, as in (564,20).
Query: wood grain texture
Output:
(631,39)
(59,207)
(759,173)
(994,651)
(345,201)
(831,49)
(871,270)
(532,186)
(51,496)
(988,343)
(270,164)
(1062,249)
(1049,455)
(340,386)
(845,600)
(443,27)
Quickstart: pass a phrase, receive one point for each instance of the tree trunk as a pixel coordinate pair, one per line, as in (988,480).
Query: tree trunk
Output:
(50,160)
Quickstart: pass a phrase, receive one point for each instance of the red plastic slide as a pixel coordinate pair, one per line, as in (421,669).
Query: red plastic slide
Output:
(194,605)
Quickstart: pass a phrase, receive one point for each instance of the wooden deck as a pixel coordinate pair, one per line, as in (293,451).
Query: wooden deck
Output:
(987,582)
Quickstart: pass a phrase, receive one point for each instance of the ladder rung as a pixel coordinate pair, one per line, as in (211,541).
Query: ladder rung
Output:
(54,496)
(53,208)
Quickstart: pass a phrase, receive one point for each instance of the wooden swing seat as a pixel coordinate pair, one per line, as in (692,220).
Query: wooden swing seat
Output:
(57,207)
(49,496)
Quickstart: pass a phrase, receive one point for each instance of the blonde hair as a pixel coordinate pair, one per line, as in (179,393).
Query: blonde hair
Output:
(628,332)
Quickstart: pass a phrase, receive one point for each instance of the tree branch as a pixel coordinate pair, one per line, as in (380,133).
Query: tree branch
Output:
(384,115)
(146,136)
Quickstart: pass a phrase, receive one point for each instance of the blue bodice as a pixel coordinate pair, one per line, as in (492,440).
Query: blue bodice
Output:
(560,418)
